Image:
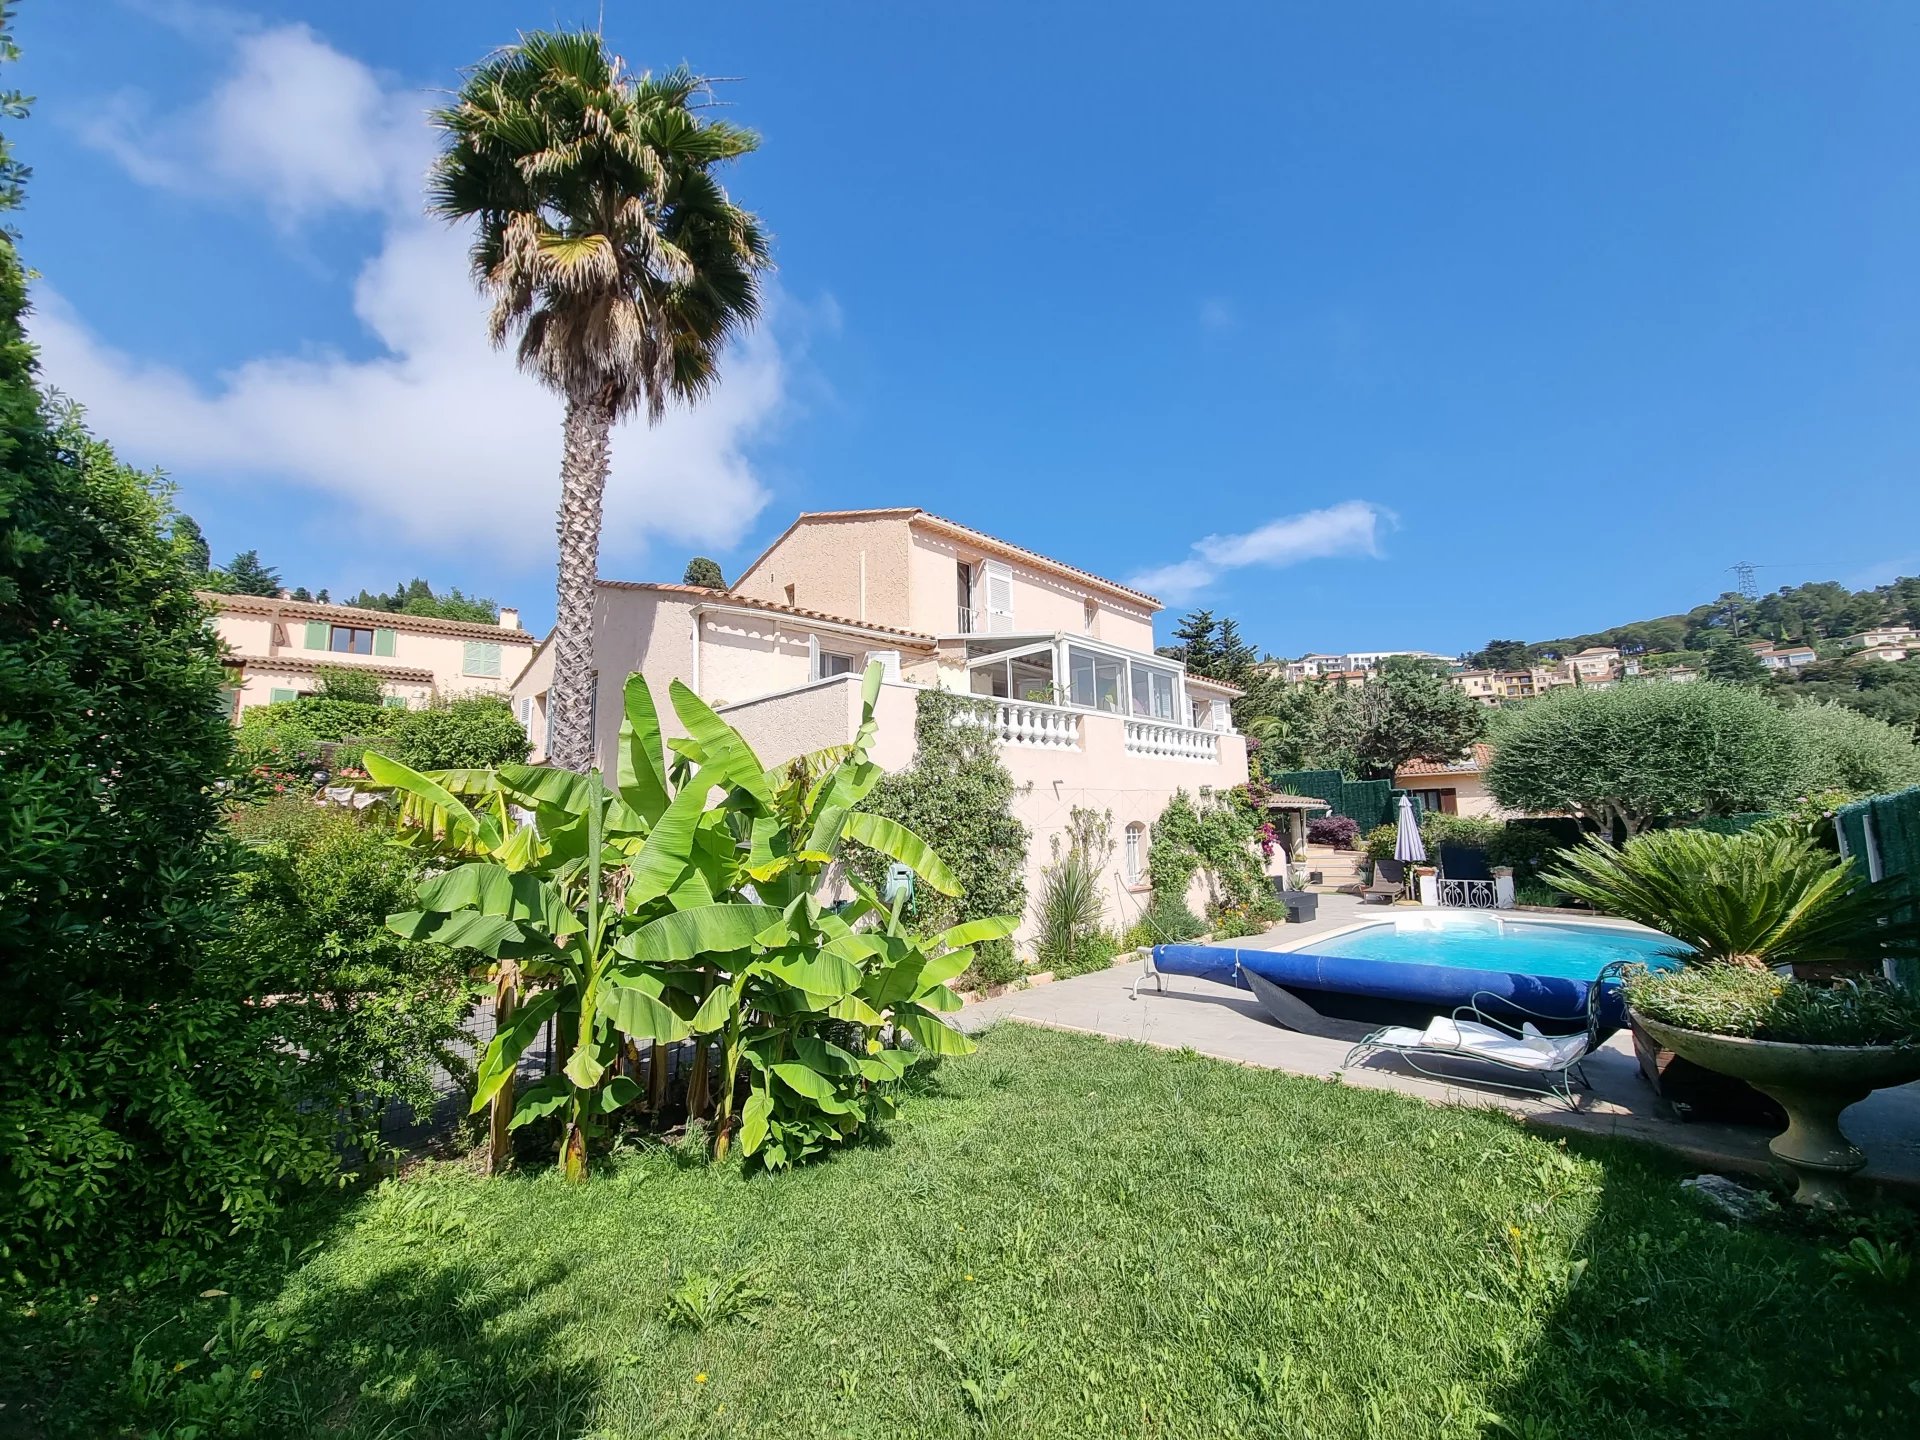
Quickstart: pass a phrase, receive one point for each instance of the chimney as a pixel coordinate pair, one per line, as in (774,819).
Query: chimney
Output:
(509,618)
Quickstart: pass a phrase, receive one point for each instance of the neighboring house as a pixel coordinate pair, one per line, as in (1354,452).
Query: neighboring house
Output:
(1784,657)
(276,647)
(1496,687)
(1886,636)
(1880,652)
(1452,787)
(1595,665)
(1361,662)
(1086,713)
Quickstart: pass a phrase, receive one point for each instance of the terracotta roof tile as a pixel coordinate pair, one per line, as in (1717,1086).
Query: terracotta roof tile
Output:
(290,665)
(1475,761)
(751,602)
(268,605)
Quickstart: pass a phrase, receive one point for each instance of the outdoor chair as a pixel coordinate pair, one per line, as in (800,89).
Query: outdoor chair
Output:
(1552,1062)
(1389,880)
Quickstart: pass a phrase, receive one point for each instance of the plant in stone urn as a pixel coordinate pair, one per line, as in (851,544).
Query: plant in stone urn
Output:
(1746,908)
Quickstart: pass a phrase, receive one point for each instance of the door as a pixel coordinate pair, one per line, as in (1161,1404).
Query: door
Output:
(963,598)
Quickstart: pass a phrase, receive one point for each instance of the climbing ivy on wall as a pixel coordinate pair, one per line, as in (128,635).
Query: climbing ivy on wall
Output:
(958,796)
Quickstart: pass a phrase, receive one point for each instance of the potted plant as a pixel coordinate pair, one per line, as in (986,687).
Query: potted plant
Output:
(1746,909)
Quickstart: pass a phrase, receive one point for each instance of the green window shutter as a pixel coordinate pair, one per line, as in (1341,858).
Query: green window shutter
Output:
(316,634)
(483,658)
(277,695)
(394,702)
(383,642)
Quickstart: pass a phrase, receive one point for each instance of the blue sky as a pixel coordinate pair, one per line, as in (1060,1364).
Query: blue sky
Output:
(1373,325)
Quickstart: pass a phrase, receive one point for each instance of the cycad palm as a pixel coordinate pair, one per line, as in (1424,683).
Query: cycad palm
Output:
(1758,899)
(613,254)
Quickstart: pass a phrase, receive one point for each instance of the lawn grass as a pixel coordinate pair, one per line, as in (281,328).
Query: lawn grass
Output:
(1066,1237)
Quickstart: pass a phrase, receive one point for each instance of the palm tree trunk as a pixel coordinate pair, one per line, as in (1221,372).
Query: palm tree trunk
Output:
(506,999)
(583,483)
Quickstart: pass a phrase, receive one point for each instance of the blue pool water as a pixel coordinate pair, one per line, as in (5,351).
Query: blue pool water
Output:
(1569,952)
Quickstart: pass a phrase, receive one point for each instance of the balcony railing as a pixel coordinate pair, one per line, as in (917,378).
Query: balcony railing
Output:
(1171,742)
(970,621)
(1027,722)
(1468,894)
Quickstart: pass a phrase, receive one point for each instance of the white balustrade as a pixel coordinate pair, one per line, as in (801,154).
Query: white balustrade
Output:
(1027,722)
(1171,742)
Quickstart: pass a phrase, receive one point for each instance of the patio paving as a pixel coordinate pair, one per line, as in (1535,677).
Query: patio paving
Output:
(1228,1024)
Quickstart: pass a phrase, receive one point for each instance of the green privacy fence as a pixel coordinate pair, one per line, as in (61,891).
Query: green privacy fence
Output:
(1734,824)
(1881,835)
(1365,802)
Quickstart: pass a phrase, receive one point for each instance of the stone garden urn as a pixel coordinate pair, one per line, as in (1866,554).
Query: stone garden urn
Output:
(1813,1084)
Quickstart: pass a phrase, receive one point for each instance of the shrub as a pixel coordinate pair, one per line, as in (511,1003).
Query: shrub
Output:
(1843,750)
(1095,951)
(1335,830)
(1537,892)
(356,687)
(1762,1005)
(1465,832)
(1070,909)
(1166,921)
(373,1015)
(467,732)
(1380,842)
(143,1092)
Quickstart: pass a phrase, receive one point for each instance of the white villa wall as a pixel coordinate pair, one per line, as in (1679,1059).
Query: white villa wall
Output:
(1043,601)
(854,567)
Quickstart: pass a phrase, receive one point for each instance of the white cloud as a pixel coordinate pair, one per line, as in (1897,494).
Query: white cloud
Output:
(436,436)
(1349,528)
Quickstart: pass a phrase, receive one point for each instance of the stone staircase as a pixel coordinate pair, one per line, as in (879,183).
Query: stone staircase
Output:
(1339,869)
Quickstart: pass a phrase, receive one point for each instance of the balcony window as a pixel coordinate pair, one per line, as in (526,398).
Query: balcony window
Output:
(832,663)
(1094,679)
(1152,690)
(350,640)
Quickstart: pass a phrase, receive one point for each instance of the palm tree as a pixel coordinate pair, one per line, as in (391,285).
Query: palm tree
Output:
(614,256)
(1759,899)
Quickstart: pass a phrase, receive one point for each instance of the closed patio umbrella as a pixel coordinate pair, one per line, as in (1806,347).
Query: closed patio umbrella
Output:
(1408,848)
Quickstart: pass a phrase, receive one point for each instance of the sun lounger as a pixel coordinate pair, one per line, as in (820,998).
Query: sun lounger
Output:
(1551,1062)
(1389,880)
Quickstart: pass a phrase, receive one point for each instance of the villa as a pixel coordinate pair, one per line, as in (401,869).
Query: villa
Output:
(1783,657)
(1597,665)
(1451,787)
(1884,637)
(276,648)
(1085,713)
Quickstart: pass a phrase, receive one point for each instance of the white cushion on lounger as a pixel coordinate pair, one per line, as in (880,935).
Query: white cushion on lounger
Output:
(1565,1048)
(1467,1037)
(1400,1037)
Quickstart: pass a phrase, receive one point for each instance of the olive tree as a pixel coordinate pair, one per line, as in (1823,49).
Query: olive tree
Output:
(1631,754)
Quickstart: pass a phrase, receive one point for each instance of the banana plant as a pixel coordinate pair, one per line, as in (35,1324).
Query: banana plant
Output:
(690,900)
(795,971)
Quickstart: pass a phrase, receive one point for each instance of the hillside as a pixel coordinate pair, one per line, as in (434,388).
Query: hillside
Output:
(1820,611)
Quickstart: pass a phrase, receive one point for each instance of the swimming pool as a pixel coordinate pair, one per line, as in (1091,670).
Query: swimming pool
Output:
(1411,966)
(1568,950)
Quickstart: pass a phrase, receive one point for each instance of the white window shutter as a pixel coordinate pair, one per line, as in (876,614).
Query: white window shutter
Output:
(813,657)
(999,579)
(889,664)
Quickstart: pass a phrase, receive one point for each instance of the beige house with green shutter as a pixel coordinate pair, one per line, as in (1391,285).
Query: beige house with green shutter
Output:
(276,647)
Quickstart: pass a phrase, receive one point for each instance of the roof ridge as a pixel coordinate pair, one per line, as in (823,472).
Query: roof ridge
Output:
(394,619)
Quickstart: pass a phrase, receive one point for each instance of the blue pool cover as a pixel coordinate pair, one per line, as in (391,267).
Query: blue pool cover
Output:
(1441,988)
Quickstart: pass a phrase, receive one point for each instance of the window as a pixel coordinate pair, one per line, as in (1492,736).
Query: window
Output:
(482,658)
(1093,679)
(1136,849)
(349,640)
(394,702)
(1089,612)
(832,664)
(1435,802)
(999,578)
(1152,691)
